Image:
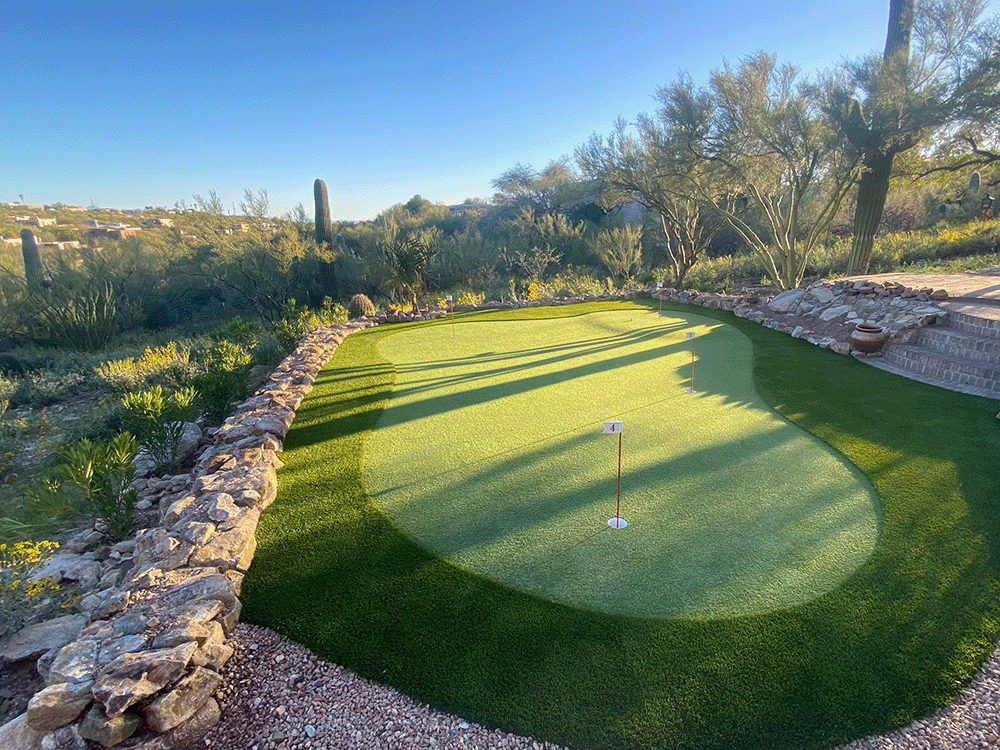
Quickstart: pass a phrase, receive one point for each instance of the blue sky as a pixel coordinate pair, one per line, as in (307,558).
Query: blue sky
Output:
(134,104)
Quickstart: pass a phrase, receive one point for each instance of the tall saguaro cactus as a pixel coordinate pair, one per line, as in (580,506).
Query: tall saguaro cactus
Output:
(33,269)
(324,227)
(324,236)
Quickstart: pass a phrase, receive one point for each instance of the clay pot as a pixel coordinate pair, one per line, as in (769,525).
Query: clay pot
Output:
(867,338)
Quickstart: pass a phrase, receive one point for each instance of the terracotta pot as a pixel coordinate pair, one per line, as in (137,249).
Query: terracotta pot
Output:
(867,338)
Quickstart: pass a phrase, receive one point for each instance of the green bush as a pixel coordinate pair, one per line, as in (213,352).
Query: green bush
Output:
(40,389)
(101,474)
(225,381)
(168,365)
(157,418)
(298,322)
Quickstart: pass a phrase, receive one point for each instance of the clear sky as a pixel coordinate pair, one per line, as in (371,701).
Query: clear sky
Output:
(148,103)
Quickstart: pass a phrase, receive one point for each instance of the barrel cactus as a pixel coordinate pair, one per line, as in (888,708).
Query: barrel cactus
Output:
(360,306)
(34,272)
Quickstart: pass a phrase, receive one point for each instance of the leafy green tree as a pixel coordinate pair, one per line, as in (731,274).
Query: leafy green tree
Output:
(939,73)
(549,191)
(620,249)
(775,167)
(655,170)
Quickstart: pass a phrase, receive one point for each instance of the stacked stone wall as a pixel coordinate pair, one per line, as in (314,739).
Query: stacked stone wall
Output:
(140,666)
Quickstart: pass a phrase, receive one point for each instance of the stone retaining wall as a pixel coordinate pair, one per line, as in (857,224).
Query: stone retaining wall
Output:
(143,661)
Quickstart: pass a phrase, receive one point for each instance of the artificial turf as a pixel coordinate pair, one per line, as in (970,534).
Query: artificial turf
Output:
(731,508)
(891,641)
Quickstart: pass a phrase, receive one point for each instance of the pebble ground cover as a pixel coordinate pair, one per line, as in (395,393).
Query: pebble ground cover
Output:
(851,588)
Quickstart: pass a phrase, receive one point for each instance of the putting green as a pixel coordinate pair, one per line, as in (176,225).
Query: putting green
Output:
(490,453)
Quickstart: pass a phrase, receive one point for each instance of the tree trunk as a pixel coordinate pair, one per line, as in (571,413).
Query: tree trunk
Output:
(874,184)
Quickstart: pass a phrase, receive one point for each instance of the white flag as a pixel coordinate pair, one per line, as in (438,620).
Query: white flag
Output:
(689,335)
(612,427)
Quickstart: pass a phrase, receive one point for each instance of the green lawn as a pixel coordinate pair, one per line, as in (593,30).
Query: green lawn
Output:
(769,591)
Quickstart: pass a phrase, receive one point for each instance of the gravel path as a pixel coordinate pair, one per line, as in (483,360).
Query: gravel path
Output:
(278,695)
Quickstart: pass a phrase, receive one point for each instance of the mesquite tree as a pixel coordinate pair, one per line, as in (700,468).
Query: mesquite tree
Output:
(651,168)
(774,166)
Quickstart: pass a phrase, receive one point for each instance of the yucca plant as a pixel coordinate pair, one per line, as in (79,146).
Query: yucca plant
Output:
(86,321)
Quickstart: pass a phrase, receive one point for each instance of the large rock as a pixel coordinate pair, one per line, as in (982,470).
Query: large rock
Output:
(34,640)
(58,705)
(109,730)
(228,549)
(170,709)
(132,677)
(786,301)
(188,733)
(75,662)
(69,566)
(17,735)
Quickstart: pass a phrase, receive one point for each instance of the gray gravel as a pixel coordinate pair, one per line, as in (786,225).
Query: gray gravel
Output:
(279,695)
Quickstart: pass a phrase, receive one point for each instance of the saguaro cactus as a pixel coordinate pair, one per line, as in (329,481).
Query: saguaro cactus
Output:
(34,272)
(324,227)
(324,236)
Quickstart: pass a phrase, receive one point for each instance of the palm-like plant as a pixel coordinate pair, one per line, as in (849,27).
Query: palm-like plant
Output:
(406,260)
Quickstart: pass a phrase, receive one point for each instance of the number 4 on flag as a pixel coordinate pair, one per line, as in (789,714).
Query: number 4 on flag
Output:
(612,427)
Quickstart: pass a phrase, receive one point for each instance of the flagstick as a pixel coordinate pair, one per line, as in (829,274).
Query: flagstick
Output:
(452,305)
(618,499)
(617,522)
(691,389)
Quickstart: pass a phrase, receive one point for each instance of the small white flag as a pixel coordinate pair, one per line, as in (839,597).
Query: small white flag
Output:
(689,335)
(447,298)
(612,427)
(659,285)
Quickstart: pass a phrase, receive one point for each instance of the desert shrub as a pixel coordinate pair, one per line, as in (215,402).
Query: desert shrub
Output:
(100,474)
(243,333)
(22,599)
(8,387)
(225,380)
(169,365)
(40,389)
(571,282)
(156,417)
(297,322)
(360,306)
(85,321)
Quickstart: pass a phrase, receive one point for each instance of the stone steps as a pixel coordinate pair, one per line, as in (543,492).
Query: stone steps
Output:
(962,355)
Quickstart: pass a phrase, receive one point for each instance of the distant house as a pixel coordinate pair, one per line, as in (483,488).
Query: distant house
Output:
(112,231)
(157,222)
(35,221)
(66,245)
(463,209)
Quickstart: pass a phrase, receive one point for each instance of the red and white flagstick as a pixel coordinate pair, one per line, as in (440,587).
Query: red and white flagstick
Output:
(447,298)
(690,335)
(617,522)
